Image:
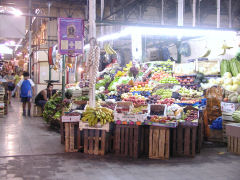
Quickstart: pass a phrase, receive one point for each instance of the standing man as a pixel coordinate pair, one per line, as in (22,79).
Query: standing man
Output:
(44,96)
(10,79)
(26,92)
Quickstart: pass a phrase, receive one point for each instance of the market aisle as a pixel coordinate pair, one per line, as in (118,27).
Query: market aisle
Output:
(26,135)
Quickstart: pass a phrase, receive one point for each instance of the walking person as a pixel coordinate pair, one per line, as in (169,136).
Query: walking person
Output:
(17,79)
(10,79)
(26,86)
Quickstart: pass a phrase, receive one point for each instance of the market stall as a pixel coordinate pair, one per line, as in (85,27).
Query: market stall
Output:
(159,109)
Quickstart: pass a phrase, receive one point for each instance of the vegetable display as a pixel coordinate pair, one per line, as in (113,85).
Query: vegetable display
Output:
(53,109)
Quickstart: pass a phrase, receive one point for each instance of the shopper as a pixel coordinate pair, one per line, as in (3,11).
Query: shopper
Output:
(10,79)
(17,78)
(26,92)
(44,95)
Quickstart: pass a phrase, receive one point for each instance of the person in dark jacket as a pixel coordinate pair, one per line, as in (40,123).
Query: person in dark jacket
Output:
(44,95)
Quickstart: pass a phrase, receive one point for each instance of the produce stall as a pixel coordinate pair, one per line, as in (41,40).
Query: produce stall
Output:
(133,113)
(159,109)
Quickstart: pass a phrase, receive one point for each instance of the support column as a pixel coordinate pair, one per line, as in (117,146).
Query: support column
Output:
(230,14)
(63,76)
(180,12)
(92,34)
(194,12)
(30,37)
(162,13)
(218,13)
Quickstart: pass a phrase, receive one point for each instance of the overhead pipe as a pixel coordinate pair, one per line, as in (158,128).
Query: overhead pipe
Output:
(218,13)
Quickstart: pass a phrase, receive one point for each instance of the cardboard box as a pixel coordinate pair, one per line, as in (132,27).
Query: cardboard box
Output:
(229,108)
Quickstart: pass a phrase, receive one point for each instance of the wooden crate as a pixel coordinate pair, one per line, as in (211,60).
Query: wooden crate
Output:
(159,142)
(127,140)
(144,140)
(216,135)
(72,137)
(37,111)
(234,144)
(233,134)
(224,123)
(184,141)
(95,141)
(200,132)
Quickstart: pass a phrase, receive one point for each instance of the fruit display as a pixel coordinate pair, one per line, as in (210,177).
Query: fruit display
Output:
(167,101)
(141,88)
(160,119)
(117,97)
(164,93)
(108,105)
(100,115)
(166,66)
(190,115)
(185,80)
(169,80)
(142,84)
(188,101)
(153,99)
(120,73)
(185,92)
(123,88)
(136,99)
(139,110)
(158,76)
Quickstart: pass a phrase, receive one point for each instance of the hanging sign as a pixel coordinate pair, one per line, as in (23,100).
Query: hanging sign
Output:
(70,36)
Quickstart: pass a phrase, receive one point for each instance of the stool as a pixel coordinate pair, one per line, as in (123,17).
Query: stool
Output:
(37,111)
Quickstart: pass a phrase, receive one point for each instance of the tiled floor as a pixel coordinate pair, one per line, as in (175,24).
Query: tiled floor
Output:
(29,150)
(26,136)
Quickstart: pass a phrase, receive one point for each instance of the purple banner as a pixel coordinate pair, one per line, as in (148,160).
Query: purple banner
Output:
(70,36)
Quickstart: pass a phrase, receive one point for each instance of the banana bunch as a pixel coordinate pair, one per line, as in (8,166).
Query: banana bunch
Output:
(104,115)
(99,114)
(109,49)
(90,116)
